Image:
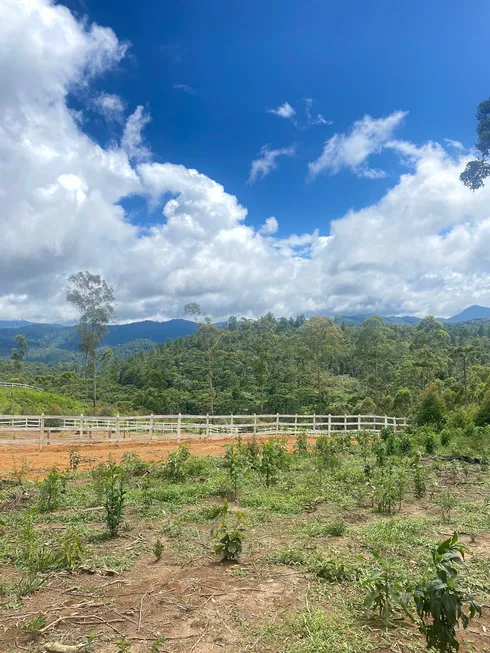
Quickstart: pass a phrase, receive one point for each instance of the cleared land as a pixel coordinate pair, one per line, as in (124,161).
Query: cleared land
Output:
(297,587)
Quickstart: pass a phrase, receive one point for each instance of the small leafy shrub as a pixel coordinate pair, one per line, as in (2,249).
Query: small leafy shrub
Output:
(75,459)
(50,491)
(270,462)
(236,464)
(229,537)
(326,451)
(404,444)
(114,497)
(175,468)
(447,500)
(440,601)
(301,444)
(419,478)
(146,495)
(158,550)
(133,465)
(71,550)
(445,437)
(430,443)
(252,451)
(387,588)
(385,491)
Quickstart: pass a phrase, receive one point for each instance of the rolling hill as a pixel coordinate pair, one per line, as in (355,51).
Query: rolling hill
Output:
(50,343)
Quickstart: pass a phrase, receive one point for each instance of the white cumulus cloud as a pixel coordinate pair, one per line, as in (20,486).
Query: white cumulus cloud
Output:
(424,247)
(283,111)
(267,161)
(110,106)
(367,136)
(270,226)
(132,140)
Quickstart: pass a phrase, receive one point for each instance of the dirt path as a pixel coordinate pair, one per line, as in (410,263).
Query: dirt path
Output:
(14,457)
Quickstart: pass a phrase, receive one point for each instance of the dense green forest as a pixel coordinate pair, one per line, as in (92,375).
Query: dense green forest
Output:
(284,365)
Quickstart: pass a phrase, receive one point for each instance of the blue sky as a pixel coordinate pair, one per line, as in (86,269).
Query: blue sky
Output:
(351,58)
(287,157)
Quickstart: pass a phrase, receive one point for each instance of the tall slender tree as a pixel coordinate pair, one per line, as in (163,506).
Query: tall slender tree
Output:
(478,170)
(94,300)
(19,353)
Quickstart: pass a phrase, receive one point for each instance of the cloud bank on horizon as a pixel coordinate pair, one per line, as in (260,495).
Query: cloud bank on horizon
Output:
(423,248)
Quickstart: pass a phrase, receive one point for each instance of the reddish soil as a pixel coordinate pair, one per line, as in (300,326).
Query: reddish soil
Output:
(13,457)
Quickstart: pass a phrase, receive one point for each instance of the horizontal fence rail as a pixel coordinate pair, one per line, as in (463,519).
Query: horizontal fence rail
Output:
(6,384)
(20,429)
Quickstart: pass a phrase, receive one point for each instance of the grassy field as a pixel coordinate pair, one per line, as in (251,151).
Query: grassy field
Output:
(309,523)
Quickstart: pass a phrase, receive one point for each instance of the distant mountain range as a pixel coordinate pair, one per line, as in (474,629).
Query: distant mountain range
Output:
(56,343)
(52,342)
(471,313)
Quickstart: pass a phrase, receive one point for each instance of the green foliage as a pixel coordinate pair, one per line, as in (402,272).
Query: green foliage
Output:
(50,491)
(440,601)
(419,477)
(387,587)
(114,497)
(72,550)
(175,468)
(75,459)
(236,464)
(432,410)
(272,459)
(34,626)
(478,170)
(158,550)
(229,537)
(482,415)
(430,443)
(301,444)
(326,450)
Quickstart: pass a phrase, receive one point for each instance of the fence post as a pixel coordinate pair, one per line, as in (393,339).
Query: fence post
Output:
(394,424)
(255,424)
(231,424)
(404,422)
(386,421)
(277,423)
(179,425)
(358,422)
(41,434)
(81,426)
(329,425)
(150,429)
(345,422)
(118,428)
(207,425)
(295,424)
(314,422)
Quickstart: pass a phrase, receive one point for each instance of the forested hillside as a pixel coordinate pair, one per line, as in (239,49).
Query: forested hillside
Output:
(298,366)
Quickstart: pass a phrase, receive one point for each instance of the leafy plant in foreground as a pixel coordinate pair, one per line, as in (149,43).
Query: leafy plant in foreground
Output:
(301,444)
(115,494)
(236,463)
(419,477)
(175,468)
(387,588)
(50,491)
(75,459)
(158,550)
(440,601)
(229,537)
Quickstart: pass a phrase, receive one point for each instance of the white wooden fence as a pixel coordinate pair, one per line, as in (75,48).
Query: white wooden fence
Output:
(7,384)
(19,429)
